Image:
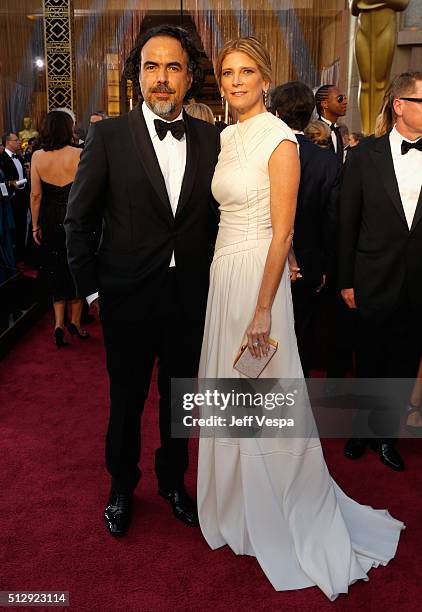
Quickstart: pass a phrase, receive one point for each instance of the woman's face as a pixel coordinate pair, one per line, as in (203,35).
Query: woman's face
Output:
(242,84)
(352,141)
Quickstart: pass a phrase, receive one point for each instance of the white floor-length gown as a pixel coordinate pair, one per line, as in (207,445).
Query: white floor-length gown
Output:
(273,498)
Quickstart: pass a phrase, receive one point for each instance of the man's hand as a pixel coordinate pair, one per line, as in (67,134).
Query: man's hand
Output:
(293,267)
(322,285)
(348,296)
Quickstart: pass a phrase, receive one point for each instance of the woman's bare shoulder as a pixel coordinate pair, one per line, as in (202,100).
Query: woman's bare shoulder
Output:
(76,152)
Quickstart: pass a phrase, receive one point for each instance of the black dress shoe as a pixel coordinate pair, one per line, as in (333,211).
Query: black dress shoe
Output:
(118,513)
(355,448)
(389,456)
(183,506)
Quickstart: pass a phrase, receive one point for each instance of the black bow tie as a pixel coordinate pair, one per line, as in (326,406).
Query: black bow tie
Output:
(333,127)
(177,128)
(406,146)
(14,156)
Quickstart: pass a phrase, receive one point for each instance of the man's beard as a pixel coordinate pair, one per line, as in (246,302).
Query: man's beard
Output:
(162,108)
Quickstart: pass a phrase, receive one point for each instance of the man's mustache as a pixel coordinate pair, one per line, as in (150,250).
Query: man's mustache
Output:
(162,89)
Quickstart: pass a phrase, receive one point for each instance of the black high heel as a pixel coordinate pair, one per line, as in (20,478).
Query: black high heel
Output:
(73,330)
(59,336)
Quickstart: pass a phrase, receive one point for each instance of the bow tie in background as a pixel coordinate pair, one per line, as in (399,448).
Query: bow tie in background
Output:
(334,128)
(406,146)
(177,128)
(14,156)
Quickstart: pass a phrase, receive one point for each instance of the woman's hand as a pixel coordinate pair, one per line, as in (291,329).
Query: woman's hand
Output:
(37,235)
(258,332)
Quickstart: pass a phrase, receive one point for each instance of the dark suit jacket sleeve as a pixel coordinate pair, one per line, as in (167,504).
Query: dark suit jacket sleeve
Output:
(331,196)
(84,213)
(351,201)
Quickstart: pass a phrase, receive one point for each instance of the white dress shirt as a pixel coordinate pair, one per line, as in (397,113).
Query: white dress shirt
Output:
(17,163)
(408,170)
(171,155)
(333,134)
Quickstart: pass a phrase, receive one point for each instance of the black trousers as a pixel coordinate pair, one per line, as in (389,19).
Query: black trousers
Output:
(389,348)
(131,349)
(341,338)
(306,301)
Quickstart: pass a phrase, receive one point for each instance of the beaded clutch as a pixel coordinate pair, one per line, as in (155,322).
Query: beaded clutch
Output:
(253,366)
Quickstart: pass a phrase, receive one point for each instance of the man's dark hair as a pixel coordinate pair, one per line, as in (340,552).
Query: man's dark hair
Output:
(6,137)
(358,136)
(294,103)
(320,95)
(56,131)
(132,65)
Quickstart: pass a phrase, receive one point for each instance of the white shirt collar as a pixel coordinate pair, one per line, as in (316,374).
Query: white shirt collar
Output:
(150,116)
(8,151)
(328,122)
(298,132)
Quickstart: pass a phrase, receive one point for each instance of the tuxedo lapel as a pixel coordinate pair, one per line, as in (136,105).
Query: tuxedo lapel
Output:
(418,212)
(192,155)
(381,155)
(146,154)
(340,146)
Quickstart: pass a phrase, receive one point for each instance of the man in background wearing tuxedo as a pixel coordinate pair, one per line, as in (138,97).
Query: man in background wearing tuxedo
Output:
(12,164)
(380,265)
(147,176)
(330,105)
(315,231)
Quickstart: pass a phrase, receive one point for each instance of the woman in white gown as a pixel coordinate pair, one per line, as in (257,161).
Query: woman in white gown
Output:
(271,498)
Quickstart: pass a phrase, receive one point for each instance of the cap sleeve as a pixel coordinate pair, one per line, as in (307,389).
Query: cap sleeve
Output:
(274,132)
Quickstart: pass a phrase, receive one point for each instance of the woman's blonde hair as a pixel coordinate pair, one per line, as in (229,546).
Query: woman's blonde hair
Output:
(252,47)
(200,111)
(319,132)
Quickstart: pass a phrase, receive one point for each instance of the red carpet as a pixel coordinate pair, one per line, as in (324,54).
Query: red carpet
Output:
(54,486)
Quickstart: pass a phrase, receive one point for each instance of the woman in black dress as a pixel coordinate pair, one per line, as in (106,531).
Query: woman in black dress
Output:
(53,170)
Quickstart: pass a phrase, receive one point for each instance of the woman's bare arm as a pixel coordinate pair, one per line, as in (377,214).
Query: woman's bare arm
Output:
(284,171)
(36,193)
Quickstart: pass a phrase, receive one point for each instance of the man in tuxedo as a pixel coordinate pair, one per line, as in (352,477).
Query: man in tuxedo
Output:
(12,164)
(315,229)
(330,105)
(381,254)
(147,176)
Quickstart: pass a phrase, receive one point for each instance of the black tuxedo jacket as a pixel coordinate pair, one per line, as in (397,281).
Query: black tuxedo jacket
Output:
(119,182)
(9,168)
(315,237)
(379,256)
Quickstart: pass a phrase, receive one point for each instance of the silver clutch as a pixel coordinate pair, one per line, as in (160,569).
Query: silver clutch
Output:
(253,366)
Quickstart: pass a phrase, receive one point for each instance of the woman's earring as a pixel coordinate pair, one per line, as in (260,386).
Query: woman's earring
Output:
(222,100)
(265,93)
